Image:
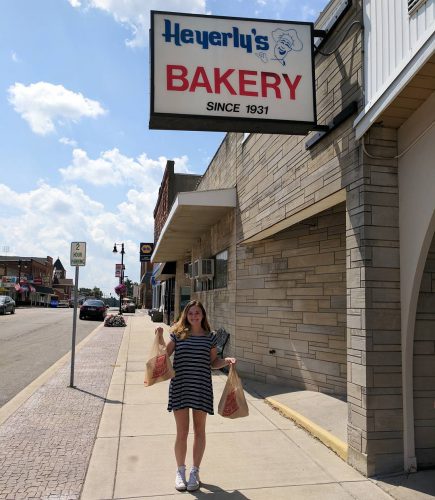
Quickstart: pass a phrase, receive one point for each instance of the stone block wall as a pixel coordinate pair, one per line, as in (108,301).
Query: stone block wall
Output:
(375,427)
(220,303)
(277,176)
(222,170)
(424,366)
(291,306)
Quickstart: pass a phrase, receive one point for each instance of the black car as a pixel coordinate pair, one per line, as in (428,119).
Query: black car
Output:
(93,308)
(7,304)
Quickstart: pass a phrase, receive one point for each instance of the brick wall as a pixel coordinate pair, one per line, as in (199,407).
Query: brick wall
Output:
(424,366)
(161,211)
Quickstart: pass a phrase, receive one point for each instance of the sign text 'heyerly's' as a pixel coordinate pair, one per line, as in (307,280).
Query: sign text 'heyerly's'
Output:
(248,42)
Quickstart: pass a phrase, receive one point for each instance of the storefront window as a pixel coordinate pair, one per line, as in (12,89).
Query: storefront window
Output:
(184,296)
(221,270)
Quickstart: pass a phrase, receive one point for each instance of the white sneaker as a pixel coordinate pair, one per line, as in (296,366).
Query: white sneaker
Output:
(180,478)
(193,483)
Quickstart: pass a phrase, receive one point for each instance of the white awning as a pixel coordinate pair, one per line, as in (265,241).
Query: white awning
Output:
(192,213)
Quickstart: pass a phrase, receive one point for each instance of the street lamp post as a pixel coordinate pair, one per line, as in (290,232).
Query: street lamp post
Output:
(121,274)
(19,271)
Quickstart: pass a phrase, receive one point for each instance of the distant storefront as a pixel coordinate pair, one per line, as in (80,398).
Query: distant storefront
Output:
(27,279)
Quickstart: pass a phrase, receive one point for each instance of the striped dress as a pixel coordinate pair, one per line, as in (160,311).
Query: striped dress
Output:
(192,386)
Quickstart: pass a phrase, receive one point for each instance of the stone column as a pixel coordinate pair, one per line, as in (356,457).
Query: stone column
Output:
(375,425)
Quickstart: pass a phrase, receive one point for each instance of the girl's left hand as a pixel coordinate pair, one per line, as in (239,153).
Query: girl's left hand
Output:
(231,361)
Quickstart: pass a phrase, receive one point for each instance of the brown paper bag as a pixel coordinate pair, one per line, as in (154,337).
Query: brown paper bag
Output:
(158,366)
(233,403)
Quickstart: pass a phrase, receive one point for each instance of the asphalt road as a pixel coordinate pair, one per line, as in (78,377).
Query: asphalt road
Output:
(31,340)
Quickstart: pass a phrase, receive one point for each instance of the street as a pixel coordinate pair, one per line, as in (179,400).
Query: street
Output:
(31,340)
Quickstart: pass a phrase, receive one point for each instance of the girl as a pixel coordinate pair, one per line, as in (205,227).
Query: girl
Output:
(195,354)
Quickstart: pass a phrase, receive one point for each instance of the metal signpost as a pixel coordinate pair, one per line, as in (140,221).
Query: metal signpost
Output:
(77,259)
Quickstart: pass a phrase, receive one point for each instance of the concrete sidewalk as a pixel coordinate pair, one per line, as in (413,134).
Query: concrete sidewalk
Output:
(260,457)
(112,438)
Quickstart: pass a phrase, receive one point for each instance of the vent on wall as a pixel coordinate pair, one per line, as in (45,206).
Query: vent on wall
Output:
(413,5)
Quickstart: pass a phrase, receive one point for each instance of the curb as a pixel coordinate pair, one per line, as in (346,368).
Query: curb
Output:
(332,442)
(19,399)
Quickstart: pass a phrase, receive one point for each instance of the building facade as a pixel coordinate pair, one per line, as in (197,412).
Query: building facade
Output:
(62,285)
(28,280)
(323,246)
(162,278)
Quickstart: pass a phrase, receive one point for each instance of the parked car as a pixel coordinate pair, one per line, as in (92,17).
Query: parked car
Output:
(93,308)
(128,307)
(63,303)
(7,304)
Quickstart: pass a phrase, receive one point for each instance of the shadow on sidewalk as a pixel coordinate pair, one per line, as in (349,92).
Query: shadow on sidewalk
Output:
(108,401)
(217,492)
(260,389)
(402,486)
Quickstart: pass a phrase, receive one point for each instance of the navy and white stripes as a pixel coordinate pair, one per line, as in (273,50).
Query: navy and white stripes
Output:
(192,386)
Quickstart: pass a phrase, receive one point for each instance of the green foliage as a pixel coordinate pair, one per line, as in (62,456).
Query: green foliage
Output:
(91,292)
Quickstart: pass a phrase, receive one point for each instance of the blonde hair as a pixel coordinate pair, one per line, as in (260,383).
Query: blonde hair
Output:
(182,327)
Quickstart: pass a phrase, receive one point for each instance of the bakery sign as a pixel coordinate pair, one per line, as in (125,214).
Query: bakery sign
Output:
(231,74)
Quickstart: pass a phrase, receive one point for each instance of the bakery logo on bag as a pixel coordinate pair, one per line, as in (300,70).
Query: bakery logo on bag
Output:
(160,368)
(231,405)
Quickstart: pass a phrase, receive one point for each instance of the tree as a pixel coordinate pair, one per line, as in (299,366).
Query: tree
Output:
(129,284)
(91,292)
(97,293)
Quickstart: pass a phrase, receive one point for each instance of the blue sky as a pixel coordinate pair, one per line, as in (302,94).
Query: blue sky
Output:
(78,162)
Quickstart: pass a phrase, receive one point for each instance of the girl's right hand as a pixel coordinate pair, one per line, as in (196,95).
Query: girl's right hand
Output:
(159,331)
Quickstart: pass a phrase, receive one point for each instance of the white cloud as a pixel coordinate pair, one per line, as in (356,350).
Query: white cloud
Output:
(15,57)
(47,219)
(44,105)
(114,168)
(135,15)
(68,142)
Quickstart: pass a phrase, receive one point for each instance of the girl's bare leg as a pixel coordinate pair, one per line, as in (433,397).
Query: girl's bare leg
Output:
(182,422)
(199,420)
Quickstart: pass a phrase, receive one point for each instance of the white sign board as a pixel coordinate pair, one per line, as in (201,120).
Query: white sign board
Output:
(78,253)
(231,74)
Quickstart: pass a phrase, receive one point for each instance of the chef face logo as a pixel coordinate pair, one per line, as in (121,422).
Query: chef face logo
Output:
(286,41)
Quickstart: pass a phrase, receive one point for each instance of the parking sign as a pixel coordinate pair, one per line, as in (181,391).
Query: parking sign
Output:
(78,253)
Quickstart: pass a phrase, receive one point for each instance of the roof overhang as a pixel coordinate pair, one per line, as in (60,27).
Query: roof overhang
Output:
(192,213)
(401,96)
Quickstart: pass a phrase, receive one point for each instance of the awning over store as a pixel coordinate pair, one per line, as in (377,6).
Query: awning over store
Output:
(146,277)
(43,289)
(191,215)
(25,287)
(165,270)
